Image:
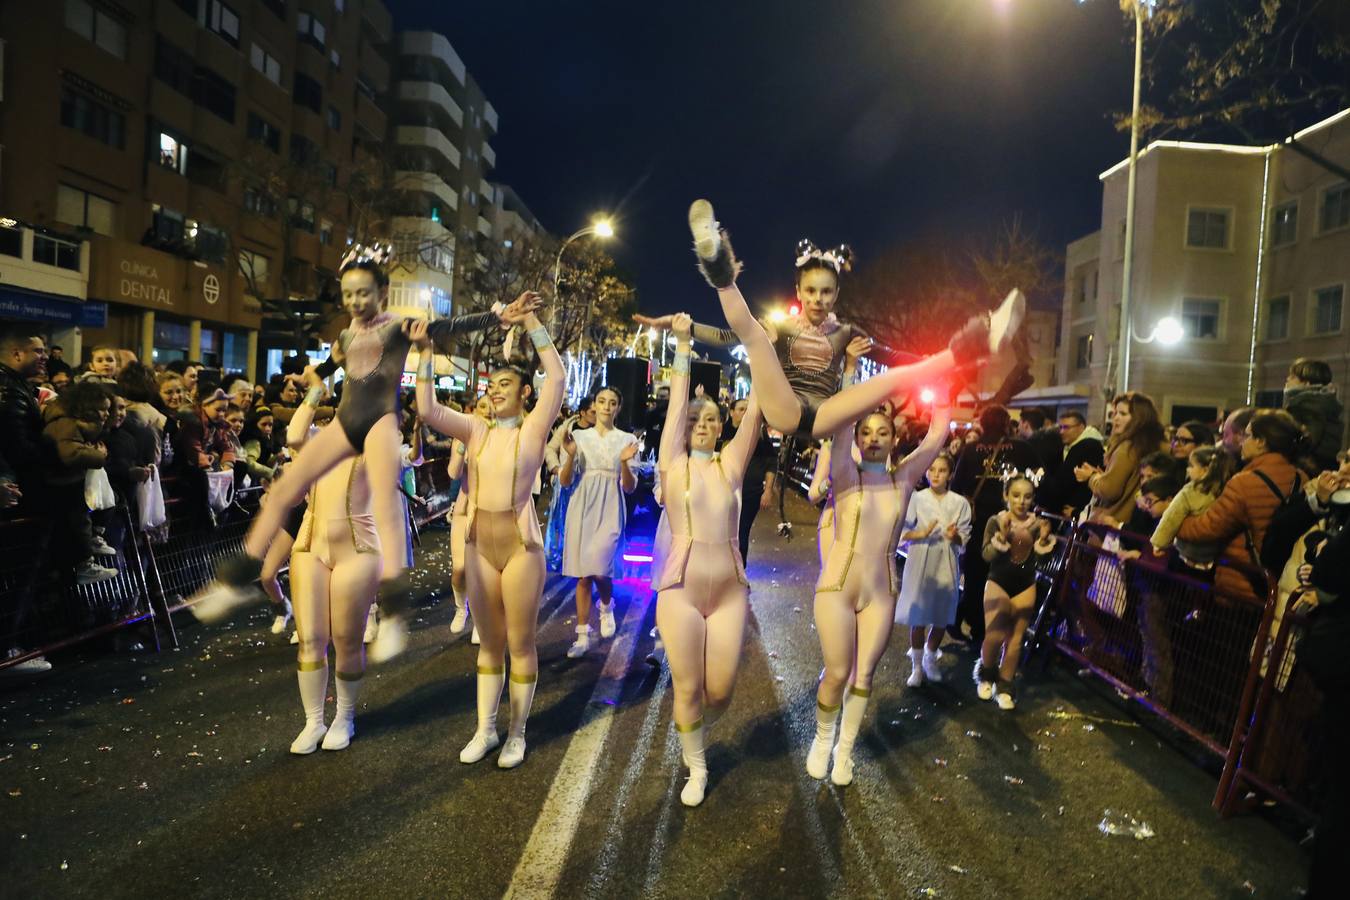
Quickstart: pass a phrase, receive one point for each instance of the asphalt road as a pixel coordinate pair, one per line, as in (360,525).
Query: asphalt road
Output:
(168,774)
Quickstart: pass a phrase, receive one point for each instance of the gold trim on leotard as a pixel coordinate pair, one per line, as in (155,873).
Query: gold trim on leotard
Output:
(359,545)
(853,536)
(515,472)
(689,516)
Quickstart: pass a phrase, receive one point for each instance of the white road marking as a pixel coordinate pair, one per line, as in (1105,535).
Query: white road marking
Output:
(545,854)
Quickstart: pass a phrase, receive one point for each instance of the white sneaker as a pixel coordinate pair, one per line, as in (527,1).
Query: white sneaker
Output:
(931,670)
(90,572)
(841,773)
(101,547)
(580,646)
(35,666)
(916,671)
(1004,321)
(818,757)
(391,641)
(513,753)
(607,627)
(307,741)
(694,788)
(281,621)
(703,226)
(479,746)
(215,602)
(460,620)
(474,638)
(339,735)
(372,627)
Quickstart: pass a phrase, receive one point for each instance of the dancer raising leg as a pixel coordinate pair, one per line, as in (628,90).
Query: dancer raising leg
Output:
(504,548)
(855,595)
(701,607)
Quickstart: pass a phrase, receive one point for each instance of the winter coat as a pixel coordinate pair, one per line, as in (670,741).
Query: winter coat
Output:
(21,442)
(1115,489)
(1247,504)
(1317,409)
(1061,488)
(133,445)
(75,445)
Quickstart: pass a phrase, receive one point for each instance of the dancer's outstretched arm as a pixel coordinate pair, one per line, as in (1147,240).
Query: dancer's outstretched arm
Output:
(918,461)
(298,429)
(674,436)
(545,411)
(442,418)
(442,330)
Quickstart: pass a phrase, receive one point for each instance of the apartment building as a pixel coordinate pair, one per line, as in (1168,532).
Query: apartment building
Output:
(1248,247)
(158,138)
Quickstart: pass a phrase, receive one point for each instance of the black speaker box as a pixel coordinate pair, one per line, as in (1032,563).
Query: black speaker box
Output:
(631,375)
(708,374)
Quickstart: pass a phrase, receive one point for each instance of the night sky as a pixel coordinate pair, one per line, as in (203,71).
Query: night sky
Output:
(839,120)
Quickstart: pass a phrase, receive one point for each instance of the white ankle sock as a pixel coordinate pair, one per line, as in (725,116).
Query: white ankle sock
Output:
(522,697)
(818,757)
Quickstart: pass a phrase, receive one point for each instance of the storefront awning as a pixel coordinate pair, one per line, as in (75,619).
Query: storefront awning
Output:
(39,306)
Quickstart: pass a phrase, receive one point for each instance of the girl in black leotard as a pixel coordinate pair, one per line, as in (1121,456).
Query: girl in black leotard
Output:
(1014,541)
(373,350)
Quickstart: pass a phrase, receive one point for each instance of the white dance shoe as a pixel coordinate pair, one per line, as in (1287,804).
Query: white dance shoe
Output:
(695,787)
(460,621)
(391,641)
(916,668)
(339,735)
(841,773)
(307,741)
(513,753)
(931,670)
(218,601)
(818,757)
(703,226)
(474,638)
(582,645)
(1004,321)
(483,743)
(282,620)
(607,626)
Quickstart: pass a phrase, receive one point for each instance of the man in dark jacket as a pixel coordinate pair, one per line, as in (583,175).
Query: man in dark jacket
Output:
(23,356)
(1031,427)
(1061,492)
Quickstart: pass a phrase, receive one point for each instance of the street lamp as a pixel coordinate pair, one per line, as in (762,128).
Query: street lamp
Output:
(1167,331)
(602,228)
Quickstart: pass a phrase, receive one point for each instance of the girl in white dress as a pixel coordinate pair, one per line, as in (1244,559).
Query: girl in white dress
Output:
(597,461)
(937,527)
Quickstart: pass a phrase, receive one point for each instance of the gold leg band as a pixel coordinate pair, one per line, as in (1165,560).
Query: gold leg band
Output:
(827,709)
(492,670)
(311,666)
(525,679)
(351,676)
(685,729)
(859,692)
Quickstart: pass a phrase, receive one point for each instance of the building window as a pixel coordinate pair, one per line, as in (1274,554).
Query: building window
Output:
(311,30)
(11,241)
(1335,211)
(210,244)
(264,132)
(265,63)
(171,153)
(302,214)
(1094,284)
(206,170)
(166,225)
(1084,352)
(334,118)
(215,94)
(259,202)
(53,251)
(174,67)
(1327,304)
(97,26)
(1277,319)
(330,174)
(92,118)
(84,210)
(335,58)
(302,149)
(308,93)
(325,232)
(1200,319)
(1284,224)
(1207,229)
(255,268)
(220,18)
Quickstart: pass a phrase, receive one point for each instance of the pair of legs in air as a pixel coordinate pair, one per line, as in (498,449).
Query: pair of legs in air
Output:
(1006,618)
(505,581)
(331,594)
(782,408)
(702,623)
(852,642)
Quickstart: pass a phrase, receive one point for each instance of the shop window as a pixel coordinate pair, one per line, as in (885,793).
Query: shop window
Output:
(84,210)
(54,251)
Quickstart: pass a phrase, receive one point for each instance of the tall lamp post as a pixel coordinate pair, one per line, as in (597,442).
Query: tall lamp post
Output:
(602,228)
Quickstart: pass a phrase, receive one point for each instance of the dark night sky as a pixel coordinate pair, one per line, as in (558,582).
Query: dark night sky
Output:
(843,120)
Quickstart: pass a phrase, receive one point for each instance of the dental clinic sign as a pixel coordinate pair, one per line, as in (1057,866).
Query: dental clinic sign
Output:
(140,285)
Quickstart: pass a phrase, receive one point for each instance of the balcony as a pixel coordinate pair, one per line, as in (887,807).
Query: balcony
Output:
(489,156)
(490,117)
(433,93)
(431,138)
(376,15)
(429,43)
(370,117)
(484,227)
(486,191)
(428,183)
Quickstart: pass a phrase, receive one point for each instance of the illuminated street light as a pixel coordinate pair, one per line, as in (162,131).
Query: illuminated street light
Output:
(1168,331)
(603,228)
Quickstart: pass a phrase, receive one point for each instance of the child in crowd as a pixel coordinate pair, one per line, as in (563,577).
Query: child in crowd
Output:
(1208,470)
(937,527)
(73,430)
(103,365)
(1014,540)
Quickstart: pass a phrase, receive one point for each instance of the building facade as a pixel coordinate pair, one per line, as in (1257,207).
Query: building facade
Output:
(199,150)
(1248,247)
